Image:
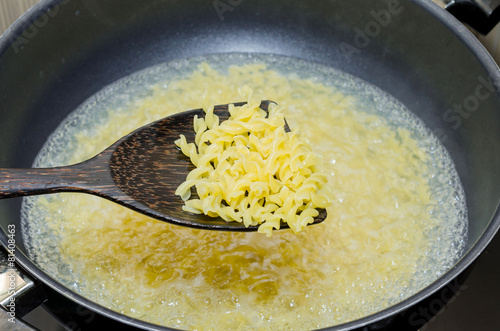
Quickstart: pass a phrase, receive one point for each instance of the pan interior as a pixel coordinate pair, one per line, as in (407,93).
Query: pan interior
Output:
(442,242)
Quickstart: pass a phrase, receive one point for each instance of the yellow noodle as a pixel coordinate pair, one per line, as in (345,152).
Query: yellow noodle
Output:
(379,244)
(243,168)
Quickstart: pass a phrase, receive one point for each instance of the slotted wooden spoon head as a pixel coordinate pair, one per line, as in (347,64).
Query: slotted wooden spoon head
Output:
(148,167)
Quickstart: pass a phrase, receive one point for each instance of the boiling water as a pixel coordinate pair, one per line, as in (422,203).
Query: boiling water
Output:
(398,221)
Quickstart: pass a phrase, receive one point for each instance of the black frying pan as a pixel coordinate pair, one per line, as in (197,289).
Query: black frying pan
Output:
(62,52)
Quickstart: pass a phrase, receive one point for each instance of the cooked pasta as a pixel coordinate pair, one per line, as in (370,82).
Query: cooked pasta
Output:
(250,170)
(396,223)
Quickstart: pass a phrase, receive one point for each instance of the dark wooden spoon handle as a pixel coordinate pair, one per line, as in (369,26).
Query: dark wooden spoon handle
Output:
(88,177)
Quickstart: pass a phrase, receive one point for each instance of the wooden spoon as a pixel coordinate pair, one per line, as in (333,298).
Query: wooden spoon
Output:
(140,171)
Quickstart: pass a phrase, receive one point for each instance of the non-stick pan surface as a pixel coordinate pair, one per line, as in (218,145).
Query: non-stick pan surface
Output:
(62,52)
